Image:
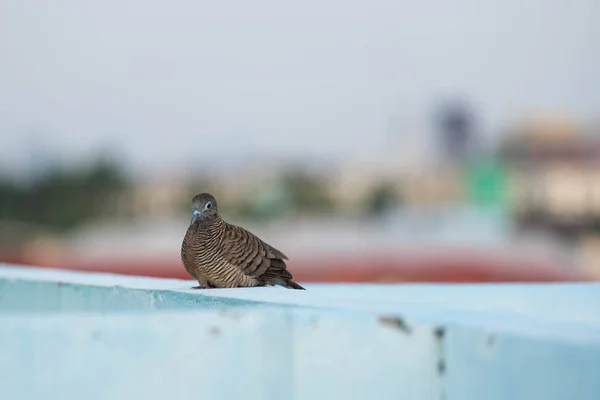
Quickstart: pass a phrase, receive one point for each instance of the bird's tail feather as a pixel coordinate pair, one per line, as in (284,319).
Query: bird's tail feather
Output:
(294,285)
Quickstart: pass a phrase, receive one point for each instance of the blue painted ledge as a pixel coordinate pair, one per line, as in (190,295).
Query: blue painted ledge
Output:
(69,335)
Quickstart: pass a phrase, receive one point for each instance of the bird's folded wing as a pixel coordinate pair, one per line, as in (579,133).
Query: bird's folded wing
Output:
(248,253)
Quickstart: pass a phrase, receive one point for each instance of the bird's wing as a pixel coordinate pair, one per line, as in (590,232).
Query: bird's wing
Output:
(251,255)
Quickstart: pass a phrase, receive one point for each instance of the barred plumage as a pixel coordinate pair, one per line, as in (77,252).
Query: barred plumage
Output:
(218,254)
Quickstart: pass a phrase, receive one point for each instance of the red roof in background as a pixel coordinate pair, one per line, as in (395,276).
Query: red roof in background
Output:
(403,267)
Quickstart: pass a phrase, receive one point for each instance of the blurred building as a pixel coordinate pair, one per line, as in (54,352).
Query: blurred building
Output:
(555,182)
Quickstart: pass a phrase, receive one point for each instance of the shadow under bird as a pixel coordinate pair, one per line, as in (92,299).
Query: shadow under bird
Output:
(222,255)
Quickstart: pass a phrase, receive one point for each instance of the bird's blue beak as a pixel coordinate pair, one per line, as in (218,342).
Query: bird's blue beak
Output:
(195,216)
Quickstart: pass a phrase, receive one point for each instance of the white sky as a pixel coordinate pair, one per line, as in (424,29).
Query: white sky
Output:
(169,82)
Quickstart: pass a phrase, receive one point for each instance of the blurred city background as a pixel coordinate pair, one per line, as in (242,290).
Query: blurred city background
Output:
(382,140)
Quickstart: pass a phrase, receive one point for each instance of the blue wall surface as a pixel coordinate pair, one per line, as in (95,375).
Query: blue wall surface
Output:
(73,335)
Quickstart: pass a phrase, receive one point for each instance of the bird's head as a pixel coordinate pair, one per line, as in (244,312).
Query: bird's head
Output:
(204,207)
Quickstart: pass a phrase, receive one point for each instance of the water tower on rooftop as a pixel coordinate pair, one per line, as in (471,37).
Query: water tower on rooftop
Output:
(456,131)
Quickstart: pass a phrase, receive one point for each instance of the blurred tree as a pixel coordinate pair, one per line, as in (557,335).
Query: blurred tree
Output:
(62,198)
(271,201)
(307,193)
(382,200)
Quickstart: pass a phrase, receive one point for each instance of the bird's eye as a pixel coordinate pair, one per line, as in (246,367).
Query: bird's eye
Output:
(208,205)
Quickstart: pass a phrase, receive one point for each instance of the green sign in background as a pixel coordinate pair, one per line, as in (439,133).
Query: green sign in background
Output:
(487,184)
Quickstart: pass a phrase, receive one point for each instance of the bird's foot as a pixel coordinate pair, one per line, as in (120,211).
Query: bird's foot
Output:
(207,286)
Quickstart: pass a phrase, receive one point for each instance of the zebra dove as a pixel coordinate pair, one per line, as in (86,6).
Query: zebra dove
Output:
(222,255)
